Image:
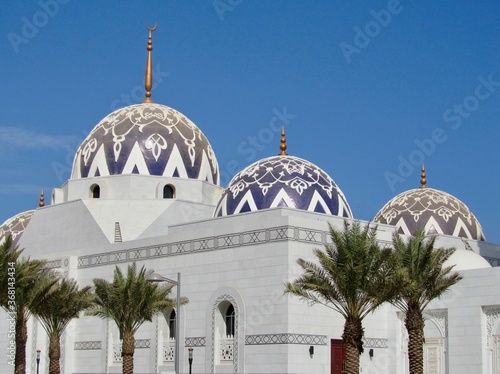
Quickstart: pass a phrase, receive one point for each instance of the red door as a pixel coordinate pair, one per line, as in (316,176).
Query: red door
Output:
(337,356)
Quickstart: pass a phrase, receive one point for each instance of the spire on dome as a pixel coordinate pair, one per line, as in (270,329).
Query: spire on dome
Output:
(42,199)
(148,82)
(423,180)
(283,143)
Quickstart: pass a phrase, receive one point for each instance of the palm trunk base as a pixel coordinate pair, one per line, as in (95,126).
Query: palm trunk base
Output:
(21,339)
(353,340)
(414,322)
(128,348)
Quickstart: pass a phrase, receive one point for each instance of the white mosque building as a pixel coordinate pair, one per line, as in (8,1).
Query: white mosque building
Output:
(145,187)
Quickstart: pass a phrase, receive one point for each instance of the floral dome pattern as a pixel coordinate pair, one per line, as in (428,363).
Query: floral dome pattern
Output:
(283,181)
(435,211)
(146,139)
(15,226)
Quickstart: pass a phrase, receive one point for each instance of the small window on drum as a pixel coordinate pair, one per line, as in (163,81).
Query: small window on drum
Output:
(168,192)
(95,191)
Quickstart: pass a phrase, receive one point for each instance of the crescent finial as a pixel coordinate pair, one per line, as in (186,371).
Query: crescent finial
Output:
(152,29)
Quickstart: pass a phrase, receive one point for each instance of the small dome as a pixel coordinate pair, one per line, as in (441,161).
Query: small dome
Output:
(283,181)
(466,260)
(147,139)
(435,211)
(15,226)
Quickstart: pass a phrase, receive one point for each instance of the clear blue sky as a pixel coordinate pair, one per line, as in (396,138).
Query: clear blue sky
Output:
(370,89)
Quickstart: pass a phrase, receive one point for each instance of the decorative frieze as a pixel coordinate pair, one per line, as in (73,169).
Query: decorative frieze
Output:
(375,343)
(286,338)
(256,237)
(54,264)
(196,342)
(142,343)
(88,345)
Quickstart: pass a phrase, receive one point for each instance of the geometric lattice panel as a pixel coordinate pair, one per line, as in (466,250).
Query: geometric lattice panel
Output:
(87,345)
(286,339)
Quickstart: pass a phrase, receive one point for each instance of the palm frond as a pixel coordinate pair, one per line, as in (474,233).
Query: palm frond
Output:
(130,300)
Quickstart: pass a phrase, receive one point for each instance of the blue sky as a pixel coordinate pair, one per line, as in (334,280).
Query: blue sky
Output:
(367,90)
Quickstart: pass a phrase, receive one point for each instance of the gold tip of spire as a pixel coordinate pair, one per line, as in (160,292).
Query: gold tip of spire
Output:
(283,143)
(423,180)
(148,82)
(42,199)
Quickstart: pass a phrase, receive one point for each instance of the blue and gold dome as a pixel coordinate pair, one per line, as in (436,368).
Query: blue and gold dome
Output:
(146,139)
(283,181)
(435,211)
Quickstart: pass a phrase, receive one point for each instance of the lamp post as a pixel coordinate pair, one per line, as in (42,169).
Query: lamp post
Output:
(37,361)
(190,359)
(155,277)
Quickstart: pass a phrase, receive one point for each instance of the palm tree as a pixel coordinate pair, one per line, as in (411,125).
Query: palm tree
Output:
(23,283)
(130,301)
(58,307)
(424,279)
(353,278)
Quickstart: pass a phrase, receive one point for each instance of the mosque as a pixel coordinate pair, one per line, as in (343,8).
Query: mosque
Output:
(145,188)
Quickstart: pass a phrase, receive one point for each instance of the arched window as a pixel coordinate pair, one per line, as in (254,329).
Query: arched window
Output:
(172,320)
(168,192)
(229,319)
(95,191)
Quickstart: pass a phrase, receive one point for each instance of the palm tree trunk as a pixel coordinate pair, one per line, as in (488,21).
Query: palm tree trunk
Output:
(54,353)
(128,347)
(353,340)
(21,339)
(414,322)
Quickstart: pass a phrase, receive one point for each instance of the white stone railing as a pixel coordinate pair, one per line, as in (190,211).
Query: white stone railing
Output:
(226,348)
(169,350)
(117,351)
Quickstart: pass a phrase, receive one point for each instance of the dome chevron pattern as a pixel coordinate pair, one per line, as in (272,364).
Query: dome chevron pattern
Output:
(146,139)
(435,211)
(283,181)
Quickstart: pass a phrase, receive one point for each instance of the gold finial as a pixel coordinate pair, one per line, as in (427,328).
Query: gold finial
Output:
(423,180)
(42,199)
(283,143)
(148,82)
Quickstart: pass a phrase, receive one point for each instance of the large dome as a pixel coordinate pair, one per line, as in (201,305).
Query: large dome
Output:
(15,226)
(147,139)
(435,211)
(283,181)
